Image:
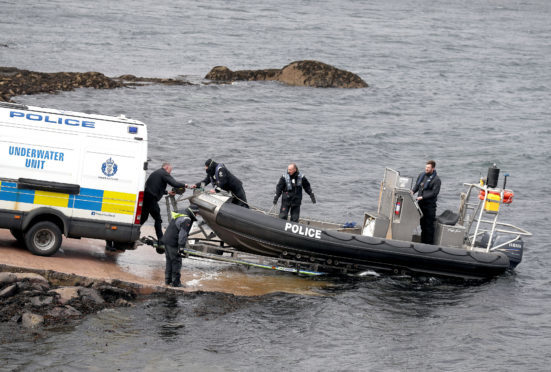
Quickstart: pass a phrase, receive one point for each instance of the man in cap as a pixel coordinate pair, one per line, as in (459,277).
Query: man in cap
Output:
(175,239)
(220,177)
(291,185)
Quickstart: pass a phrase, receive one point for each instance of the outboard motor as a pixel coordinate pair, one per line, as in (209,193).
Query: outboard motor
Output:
(513,250)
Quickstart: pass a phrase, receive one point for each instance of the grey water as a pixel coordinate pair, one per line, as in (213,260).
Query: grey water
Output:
(466,83)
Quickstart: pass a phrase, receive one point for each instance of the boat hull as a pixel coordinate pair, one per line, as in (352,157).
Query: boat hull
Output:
(255,232)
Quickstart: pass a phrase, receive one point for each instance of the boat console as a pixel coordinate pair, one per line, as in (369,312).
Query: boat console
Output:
(475,226)
(398,213)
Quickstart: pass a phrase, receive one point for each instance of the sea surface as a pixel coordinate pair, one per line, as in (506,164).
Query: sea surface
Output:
(466,83)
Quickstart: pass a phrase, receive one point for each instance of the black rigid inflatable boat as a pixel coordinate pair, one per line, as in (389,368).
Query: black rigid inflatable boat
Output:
(384,243)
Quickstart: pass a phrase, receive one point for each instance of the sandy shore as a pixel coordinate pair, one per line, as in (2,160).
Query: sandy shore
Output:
(144,267)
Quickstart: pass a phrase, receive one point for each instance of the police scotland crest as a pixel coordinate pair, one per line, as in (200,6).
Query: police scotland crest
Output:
(109,167)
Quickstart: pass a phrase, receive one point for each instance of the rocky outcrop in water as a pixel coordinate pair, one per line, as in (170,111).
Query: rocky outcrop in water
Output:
(14,82)
(129,80)
(222,74)
(34,301)
(299,73)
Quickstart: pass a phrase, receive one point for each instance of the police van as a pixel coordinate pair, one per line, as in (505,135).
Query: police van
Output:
(69,173)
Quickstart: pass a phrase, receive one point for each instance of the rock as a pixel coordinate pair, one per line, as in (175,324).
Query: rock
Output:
(66,294)
(299,73)
(123,303)
(66,311)
(8,291)
(90,295)
(70,280)
(31,277)
(30,320)
(319,74)
(7,278)
(15,82)
(224,74)
(137,80)
(41,287)
(71,311)
(128,77)
(111,294)
(32,295)
(41,300)
(27,289)
(220,73)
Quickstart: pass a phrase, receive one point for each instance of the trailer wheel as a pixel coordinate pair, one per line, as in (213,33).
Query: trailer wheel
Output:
(43,238)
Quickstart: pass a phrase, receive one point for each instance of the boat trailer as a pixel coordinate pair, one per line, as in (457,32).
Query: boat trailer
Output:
(206,245)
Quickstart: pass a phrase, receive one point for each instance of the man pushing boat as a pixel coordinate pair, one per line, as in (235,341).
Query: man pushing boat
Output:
(220,177)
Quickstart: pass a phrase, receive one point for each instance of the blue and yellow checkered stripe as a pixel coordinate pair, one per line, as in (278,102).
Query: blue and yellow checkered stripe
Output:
(88,199)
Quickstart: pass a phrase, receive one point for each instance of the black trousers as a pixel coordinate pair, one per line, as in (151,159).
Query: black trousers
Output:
(151,207)
(173,265)
(284,211)
(427,223)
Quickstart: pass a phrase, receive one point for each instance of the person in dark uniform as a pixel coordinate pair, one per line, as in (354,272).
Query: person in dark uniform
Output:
(155,188)
(291,185)
(220,177)
(427,188)
(175,239)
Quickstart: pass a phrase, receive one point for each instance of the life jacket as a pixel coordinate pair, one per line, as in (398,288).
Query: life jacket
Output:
(170,236)
(423,185)
(175,215)
(214,179)
(289,184)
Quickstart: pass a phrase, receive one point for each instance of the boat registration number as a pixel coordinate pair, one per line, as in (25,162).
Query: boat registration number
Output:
(303,230)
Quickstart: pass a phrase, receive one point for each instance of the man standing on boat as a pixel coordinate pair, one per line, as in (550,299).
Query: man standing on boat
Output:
(427,188)
(222,178)
(291,185)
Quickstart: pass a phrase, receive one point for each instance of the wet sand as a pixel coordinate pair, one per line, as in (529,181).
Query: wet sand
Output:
(143,266)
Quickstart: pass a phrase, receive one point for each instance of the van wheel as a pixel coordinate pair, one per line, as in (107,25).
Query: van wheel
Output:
(43,238)
(18,235)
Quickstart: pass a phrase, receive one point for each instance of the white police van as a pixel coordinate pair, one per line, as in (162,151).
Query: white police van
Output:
(70,173)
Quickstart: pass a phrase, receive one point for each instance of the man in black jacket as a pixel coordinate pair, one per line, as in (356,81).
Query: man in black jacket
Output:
(175,239)
(220,177)
(427,188)
(155,188)
(291,185)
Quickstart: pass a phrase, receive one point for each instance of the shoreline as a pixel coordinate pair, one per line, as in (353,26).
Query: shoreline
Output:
(83,265)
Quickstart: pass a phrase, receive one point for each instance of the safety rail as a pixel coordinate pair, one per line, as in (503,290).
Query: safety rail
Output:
(477,218)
